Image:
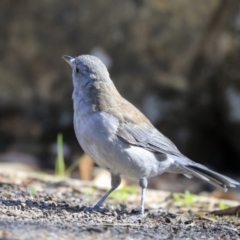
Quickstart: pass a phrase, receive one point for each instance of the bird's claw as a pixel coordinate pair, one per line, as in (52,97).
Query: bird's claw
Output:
(140,215)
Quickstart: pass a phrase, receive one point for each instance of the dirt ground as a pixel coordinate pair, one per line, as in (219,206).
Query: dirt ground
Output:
(34,206)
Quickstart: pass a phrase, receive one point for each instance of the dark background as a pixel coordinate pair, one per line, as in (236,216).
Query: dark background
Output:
(177,61)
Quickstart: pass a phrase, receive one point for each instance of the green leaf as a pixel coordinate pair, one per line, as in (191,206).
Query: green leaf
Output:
(60,164)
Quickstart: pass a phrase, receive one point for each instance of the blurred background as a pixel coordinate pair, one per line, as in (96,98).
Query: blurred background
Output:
(177,61)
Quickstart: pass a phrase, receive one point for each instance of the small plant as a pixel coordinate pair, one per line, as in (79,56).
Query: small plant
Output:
(72,167)
(198,214)
(90,191)
(60,168)
(187,198)
(123,193)
(222,205)
(60,164)
(177,197)
(212,216)
(32,192)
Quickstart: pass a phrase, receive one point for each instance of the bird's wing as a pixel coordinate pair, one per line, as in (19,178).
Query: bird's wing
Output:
(148,137)
(135,129)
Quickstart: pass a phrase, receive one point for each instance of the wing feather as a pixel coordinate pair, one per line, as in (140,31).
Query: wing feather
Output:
(148,137)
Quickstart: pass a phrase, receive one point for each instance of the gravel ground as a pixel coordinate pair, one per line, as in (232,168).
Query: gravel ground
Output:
(38,208)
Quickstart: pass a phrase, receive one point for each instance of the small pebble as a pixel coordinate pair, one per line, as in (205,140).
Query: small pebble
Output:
(114,213)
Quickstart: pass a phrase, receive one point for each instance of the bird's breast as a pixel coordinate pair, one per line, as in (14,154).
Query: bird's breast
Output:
(96,134)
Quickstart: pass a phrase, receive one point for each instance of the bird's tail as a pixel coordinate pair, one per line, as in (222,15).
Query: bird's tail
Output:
(216,179)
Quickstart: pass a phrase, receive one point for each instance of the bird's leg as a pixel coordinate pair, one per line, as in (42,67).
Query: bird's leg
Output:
(115,182)
(143,182)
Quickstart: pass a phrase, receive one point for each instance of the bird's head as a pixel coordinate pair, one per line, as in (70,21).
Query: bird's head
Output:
(87,71)
(92,83)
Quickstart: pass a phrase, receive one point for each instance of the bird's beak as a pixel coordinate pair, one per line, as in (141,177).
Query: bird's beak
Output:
(68,59)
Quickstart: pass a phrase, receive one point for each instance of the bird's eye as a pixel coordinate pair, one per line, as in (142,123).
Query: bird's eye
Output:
(77,70)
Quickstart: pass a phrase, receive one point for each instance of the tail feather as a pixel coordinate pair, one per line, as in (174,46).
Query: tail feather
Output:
(216,179)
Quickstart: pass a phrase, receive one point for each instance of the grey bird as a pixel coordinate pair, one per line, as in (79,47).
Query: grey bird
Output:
(119,138)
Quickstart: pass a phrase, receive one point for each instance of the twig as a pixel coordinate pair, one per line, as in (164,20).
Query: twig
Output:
(228,211)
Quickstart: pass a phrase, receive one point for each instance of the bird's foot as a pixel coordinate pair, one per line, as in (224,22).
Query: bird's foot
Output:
(138,216)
